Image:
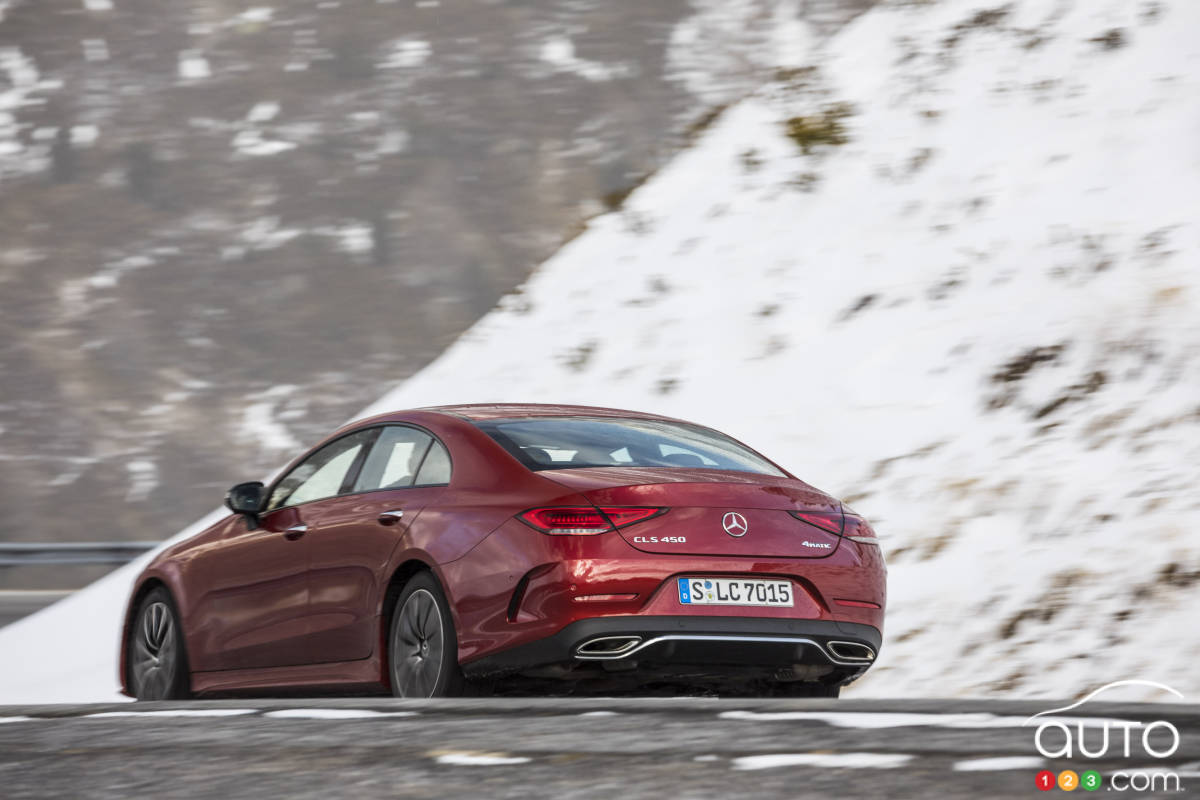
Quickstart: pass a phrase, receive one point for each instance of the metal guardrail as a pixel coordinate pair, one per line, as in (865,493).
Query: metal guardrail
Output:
(13,554)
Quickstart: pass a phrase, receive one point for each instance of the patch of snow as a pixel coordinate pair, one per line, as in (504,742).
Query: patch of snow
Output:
(392,142)
(559,52)
(250,142)
(998,764)
(599,714)
(74,295)
(193,66)
(336,713)
(355,237)
(258,14)
(263,112)
(260,423)
(95,49)
(178,712)
(22,74)
(20,87)
(265,234)
(727,47)
(98,5)
(469,759)
(406,54)
(6,720)
(823,760)
(143,479)
(84,135)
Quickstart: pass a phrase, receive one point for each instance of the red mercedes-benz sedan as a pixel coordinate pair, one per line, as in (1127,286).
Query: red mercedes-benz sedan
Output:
(426,551)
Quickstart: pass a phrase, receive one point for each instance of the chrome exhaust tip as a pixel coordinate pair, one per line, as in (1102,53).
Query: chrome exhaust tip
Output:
(607,647)
(850,651)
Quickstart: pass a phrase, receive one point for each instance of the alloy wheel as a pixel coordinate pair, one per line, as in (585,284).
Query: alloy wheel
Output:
(418,646)
(155,652)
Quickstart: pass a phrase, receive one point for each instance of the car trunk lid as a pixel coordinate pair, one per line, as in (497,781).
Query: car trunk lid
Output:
(717,512)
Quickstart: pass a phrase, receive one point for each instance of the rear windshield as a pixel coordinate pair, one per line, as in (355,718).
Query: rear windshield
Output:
(573,442)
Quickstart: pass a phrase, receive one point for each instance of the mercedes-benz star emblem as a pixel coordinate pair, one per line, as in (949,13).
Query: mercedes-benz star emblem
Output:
(734,524)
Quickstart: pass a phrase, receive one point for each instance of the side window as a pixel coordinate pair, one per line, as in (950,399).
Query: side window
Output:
(322,474)
(394,459)
(436,469)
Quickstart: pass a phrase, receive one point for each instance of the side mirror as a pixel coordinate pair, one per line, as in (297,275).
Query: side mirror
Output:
(247,499)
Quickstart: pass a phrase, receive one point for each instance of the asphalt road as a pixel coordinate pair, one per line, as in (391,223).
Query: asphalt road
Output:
(562,748)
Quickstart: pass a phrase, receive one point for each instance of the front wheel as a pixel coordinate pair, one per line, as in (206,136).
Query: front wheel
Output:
(422,644)
(156,658)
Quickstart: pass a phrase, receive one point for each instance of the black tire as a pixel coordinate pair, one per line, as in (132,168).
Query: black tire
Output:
(155,655)
(422,642)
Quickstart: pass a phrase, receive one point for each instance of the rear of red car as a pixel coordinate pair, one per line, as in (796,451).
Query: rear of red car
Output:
(684,555)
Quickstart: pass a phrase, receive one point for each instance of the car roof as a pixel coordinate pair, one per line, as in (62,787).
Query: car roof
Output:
(480,412)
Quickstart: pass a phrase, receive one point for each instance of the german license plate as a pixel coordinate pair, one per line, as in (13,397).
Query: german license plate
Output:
(734,592)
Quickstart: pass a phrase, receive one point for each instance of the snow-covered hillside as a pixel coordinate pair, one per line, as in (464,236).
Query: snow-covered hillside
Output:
(970,309)
(978,319)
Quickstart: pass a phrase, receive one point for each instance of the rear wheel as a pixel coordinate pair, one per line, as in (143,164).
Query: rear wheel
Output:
(155,656)
(422,643)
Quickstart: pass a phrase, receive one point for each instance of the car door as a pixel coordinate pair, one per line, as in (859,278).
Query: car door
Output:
(352,547)
(255,611)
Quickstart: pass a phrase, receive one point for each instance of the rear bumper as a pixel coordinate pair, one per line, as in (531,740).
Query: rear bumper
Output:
(731,642)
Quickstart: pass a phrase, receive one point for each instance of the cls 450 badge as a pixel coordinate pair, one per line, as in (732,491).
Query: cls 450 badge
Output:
(660,540)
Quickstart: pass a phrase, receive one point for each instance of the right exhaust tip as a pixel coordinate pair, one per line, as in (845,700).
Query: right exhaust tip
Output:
(851,651)
(607,647)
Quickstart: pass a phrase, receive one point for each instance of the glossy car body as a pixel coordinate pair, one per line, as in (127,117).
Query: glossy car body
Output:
(267,606)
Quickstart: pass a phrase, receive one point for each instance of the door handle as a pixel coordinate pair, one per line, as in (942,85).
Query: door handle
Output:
(390,517)
(295,532)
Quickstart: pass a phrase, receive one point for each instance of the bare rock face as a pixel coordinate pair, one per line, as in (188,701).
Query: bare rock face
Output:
(225,228)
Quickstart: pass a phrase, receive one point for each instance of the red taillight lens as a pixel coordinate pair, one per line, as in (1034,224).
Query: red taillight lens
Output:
(622,516)
(859,529)
(825,520)
(585,520)
(573,520)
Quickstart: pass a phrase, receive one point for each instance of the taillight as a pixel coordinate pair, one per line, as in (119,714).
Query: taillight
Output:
(859,529)
(830,521)
(585,520)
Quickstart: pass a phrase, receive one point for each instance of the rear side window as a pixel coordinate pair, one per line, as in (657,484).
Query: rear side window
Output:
(571,442)
(394,460)
(436,468)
